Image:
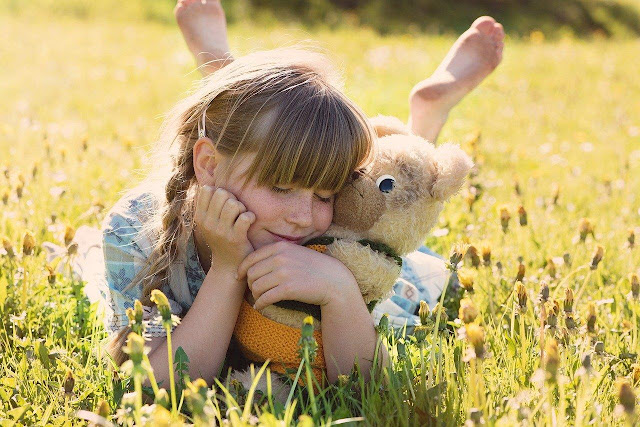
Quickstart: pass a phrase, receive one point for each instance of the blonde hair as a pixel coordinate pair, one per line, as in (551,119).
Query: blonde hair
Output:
(315,138)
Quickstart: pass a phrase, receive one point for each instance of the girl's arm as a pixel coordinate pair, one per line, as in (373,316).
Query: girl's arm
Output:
(205,331)
(285,271)
(348,335)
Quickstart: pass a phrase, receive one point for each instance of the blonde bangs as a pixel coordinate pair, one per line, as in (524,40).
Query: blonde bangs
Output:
(314,140)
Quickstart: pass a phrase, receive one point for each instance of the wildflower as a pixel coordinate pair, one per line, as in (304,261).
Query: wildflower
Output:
(552,268)
(135,317)
(85,143)
(440,311)
(470,198)
(585,228)
(555,193)
(521,271)
(420,332)
(635,373)
(196,396)
(522,216)
(103,409)
(567,258)
(468,311)
(162,398)
(19,190)
(68,383)
(635,285)
(598,347)
(544,292)
(486,254)
(552,317)
(516,187)
(475,337)
(597,257)
(457,254)
(626,396)
(631,238)
(72,249)
(591,317)
(568,301)
(505,216)
(475,416)
(135,347)
(424,313)
(5,197)
(586,362)
(551,359)
(164,308)
(343,380)
(307,341)
(28,243)
(465,277)
(34,170)
(521,293)
(69,234)
(51,275)
(472,254)
(570,321)
(8,247)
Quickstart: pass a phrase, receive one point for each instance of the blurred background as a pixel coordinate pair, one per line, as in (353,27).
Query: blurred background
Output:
(553,18)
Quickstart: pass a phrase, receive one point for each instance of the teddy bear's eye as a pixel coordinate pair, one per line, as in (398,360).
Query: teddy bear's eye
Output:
(386,183)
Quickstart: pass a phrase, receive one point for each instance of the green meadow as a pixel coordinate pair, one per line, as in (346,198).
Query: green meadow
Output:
(555,135)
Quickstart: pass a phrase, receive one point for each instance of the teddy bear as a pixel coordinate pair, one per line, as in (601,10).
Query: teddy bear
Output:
(384,212)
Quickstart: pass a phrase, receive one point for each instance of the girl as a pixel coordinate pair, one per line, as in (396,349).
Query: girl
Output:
(248,166)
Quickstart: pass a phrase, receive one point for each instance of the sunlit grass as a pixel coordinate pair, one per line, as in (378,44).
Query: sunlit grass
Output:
(555,130)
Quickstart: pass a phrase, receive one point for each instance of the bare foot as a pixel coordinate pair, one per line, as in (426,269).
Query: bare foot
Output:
(204,28)
(475,54)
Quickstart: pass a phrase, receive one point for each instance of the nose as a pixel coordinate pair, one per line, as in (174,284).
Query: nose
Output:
(301,211)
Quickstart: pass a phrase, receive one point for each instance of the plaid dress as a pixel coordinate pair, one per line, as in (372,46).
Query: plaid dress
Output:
(126,248)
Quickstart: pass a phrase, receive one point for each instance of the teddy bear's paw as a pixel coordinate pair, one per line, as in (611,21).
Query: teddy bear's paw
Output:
(287,317)
(375,272)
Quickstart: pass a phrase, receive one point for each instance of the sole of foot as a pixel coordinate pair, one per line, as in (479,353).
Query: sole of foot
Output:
(475,54)
(204,27)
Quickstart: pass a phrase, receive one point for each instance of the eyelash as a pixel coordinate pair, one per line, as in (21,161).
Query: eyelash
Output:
(287,190)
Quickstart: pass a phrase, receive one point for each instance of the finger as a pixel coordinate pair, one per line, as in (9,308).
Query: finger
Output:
(205,193)
(259,270)
(230,212)
(219,198)
(270,297)
(257,256)
(264,284)
(244,221)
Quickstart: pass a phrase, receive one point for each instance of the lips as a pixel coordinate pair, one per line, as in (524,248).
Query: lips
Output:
(292,239)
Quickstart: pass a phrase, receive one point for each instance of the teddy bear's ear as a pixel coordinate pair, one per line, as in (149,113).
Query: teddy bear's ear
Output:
(389,125)
(452,166)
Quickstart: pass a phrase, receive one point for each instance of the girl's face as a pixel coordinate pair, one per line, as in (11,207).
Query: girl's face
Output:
(284,213)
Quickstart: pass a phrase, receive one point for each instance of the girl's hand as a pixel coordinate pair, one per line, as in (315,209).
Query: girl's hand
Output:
(286,271)
(223,221)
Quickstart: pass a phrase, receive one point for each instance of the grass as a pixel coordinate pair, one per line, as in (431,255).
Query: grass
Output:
(82,103)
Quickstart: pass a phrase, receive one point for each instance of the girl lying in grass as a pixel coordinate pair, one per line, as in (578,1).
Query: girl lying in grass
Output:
(249,164)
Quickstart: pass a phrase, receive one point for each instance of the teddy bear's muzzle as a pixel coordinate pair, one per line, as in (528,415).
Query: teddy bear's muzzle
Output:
(359,205)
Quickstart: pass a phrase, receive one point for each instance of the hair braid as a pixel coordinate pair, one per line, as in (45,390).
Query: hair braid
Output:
(176,224)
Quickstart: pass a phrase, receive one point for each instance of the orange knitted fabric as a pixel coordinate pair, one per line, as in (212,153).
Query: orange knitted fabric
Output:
(260,338)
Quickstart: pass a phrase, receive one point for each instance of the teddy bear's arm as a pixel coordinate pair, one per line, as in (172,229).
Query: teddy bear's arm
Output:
(375,273)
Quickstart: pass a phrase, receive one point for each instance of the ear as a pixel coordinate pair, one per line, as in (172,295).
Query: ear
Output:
(452,166)
(388,125)
(205,158)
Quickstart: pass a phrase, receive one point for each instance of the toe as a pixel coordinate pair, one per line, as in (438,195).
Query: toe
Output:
(484,24)
(498,32)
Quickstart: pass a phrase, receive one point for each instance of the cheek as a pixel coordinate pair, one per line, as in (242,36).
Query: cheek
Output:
(324,216)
